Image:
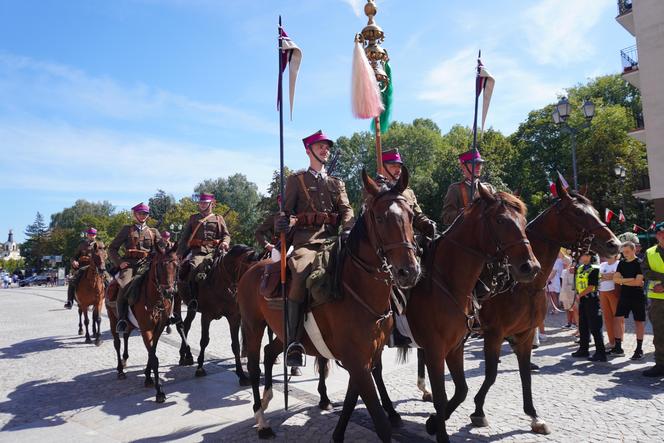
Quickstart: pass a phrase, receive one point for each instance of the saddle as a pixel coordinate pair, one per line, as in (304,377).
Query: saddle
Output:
(270,285)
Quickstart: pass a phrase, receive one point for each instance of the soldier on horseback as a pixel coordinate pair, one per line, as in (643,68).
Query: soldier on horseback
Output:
(204,234)
(80,262)
(167,243)
(316,207)
(139,241)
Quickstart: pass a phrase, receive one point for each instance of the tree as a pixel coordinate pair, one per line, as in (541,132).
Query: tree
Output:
(70,217)
(36,242)
(160,203)
(180,212)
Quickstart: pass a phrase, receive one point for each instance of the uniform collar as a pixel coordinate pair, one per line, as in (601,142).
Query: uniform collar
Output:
(140,226)
(316,174)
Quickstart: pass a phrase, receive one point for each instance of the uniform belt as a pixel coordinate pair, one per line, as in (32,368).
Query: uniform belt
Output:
(196,243)
(136,253)
(316,218)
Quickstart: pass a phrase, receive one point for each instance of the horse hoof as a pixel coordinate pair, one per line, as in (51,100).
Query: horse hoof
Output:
(244,381)
(540,427)
(431,424)
(395,420)
(161,397)
(122,376)
(325,405)
(295,371)
(80,332)
(427,397)
(124,363)
(98,342)
(148,383)
(479,421)
(200,372)
(266,434)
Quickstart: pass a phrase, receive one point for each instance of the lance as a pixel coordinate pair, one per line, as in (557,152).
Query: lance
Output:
(477,96)
(282,236)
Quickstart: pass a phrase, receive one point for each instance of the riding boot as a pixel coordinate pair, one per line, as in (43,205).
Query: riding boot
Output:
(123,312)
(71,294)
(295,325)
(193,293)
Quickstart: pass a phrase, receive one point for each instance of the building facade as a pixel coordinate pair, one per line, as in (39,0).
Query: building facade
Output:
(10,250)
(643,67)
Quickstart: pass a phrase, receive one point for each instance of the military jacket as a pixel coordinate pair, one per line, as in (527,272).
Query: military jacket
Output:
(85,248)
(308,193)
(457,199)
(203,234)
(265,232)
(137,241)
(420,221)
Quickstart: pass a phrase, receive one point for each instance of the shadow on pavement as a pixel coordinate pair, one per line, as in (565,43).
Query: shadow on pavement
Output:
(34,345)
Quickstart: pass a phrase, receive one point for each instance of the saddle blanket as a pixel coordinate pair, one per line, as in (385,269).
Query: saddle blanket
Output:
(316,337)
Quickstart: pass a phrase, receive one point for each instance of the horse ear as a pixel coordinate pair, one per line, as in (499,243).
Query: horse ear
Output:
(517,194)
(485,194)
(561,190)
(402,183)
(369,183)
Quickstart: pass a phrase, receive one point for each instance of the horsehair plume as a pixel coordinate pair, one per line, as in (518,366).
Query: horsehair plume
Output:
(365,95)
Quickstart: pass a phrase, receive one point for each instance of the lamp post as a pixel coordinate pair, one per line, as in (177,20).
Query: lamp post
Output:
(621,174)
(175,230)
(561,113)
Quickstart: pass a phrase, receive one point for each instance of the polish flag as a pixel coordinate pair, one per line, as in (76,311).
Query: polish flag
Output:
(652,226)
(621,217)
(608,215)
(552,188)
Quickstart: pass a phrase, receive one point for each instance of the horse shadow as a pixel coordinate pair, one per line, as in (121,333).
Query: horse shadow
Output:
(34,345)
(630,384)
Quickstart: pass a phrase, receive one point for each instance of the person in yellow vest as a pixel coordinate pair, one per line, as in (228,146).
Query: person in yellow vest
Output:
(653,272)
(590,313)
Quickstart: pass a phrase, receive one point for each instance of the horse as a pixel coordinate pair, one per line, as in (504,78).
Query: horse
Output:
(571,222)
(379,252)
(216,299)
(440,305)
(152,313)
(90,292)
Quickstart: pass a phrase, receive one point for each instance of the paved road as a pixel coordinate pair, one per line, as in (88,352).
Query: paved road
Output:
(56,388)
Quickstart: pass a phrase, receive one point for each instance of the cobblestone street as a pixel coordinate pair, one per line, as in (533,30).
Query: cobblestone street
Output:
(54,387)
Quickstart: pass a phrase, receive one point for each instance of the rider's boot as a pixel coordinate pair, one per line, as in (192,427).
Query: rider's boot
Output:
(295,325)
(193,294)
(71,293)
(123,312)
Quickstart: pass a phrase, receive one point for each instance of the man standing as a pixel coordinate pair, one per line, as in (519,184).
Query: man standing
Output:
(316,207)
(653,272)
(590,314)
(457,197)
(632,299)
(203,234)
(80,262)
(139,241)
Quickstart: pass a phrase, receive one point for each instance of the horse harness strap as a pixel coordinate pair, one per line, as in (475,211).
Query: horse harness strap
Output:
(200,223)
(379,317)
(470,319)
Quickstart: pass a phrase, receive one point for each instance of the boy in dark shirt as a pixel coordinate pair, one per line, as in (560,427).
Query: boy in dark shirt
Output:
(590,313)
(632,298)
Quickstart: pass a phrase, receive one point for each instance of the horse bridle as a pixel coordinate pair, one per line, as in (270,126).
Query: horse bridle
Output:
(165,292)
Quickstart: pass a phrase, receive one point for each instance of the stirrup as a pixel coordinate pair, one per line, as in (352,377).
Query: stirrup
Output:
(193,304)
(121,326)
(294,354)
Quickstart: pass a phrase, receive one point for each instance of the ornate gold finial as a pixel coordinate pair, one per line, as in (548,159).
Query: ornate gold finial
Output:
(371,37)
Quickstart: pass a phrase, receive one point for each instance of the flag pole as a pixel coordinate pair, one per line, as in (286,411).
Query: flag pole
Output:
(477,96)
(282,236)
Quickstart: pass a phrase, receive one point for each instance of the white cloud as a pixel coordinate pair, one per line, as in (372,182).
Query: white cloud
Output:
(558,32)
(356,5)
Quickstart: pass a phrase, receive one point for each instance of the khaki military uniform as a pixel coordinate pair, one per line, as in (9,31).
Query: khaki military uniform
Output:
(138,242)
(83,255)
(457,198)
(318,205)
(202,235)
(264,234)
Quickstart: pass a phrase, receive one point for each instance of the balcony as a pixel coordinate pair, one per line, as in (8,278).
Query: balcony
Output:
(626,16)
(639,132)
(630,65)
(642,183)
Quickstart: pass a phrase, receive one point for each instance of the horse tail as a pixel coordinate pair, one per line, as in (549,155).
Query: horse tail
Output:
(402,355)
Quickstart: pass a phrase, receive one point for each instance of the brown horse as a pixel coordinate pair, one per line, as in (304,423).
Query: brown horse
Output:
(438,313)
(216,299)
(570,222)
(379,252)
(90,292)
(151,312)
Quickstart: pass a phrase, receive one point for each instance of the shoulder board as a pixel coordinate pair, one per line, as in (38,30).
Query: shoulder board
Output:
(299,172)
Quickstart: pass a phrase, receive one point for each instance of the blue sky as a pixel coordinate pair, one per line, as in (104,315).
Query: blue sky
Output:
(111,100)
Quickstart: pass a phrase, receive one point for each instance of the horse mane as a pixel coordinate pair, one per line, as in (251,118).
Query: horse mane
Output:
(580,197)
(240,249)
(358,233)
(512,201)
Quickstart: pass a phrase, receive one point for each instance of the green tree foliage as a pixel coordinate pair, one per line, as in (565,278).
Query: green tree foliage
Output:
(12,265)
(160,203)
(180,212)
(36,243)
(71,217)
(269,203)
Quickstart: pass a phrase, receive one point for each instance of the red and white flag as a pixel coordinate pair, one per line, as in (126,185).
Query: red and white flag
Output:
(652,226)
(608,215)
(563,181)
(637,228)
(621,217)
(484,83)
(552,188)
(291,55)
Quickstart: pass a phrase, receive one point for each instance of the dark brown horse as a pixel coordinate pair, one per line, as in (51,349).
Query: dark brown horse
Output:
(216,299)
(90,292)
(570,222)
(379,252)
(151,312)
(440,305)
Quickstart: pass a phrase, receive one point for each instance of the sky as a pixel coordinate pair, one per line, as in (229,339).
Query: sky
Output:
(112,100)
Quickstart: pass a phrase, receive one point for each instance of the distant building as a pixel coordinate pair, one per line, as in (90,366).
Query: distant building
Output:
(643,67)
(10,250)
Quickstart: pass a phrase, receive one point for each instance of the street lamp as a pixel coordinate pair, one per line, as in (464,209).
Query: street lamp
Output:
(175,230)
(621,174)
(560,114)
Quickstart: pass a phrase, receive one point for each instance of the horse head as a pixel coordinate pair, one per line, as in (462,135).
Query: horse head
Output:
(389,222)
(233,265)
(499,222)
(577,225)
(165,263)
(99,257)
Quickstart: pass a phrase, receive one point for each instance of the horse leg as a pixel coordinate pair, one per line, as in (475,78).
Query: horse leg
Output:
(80,320)
(435,424)
(98,323)
(161,396)
(87,322)
(186,359)
(147,340)
(125,355)
(350,401)
(270,353)
(523,350)
(392,414)
(421,377)
(116,345)
(323,369)
(492,345)
(455,365)
(234,325)
(205,340)
(361,378)
(252,341)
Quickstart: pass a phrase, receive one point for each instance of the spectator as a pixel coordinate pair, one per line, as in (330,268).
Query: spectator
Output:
(553,284)
(632,299)
(567,295)
(608,299)
(653,271)
(590,314)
